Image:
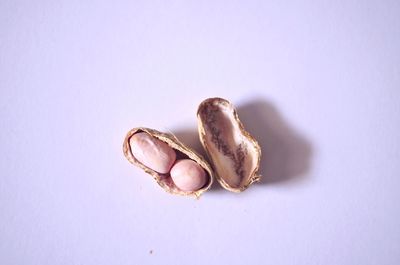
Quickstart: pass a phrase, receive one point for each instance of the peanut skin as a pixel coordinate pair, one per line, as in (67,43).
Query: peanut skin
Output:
(152,152)
(188,175)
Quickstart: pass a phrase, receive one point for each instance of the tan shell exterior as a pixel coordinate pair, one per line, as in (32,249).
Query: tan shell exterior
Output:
(254,176)
(166,182)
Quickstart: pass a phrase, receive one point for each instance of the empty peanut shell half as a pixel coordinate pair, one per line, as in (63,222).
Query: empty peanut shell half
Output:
(234,153)
(164,157)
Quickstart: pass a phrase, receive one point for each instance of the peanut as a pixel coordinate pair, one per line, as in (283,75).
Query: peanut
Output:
(188,175)
(152,152)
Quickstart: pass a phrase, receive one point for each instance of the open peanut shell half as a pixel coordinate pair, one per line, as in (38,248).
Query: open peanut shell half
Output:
(182,152)
(234,153)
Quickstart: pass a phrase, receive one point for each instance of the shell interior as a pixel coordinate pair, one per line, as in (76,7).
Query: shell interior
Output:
(234,153)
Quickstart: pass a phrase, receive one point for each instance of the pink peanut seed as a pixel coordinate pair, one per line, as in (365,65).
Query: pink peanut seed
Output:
(188,175)
(152,152)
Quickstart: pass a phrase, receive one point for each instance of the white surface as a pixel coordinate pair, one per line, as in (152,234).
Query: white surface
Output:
(317,83)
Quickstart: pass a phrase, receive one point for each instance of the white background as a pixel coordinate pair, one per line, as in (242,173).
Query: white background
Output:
(316,82)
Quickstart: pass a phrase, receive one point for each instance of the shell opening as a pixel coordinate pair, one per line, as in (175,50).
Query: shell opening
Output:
(234,154)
